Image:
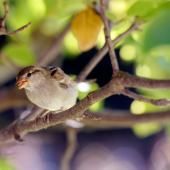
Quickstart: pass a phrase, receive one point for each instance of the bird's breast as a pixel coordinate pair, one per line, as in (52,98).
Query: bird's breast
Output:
(53,97)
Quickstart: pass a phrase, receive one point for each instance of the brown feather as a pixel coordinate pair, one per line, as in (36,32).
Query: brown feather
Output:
(25,70)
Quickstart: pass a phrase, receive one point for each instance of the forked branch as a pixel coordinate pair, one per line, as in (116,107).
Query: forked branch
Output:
(119,81)
(103,51)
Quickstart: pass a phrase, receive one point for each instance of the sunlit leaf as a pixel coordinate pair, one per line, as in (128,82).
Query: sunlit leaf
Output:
(20,54)
(86,26)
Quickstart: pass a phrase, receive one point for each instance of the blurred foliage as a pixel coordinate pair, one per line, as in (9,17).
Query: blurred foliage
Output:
(4,165)
(84,89)
(148,49)
(20,54)
(145,129)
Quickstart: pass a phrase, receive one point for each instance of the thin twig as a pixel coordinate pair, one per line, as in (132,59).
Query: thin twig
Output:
(108,40)
(70,149)
(19,29)
(3,30)
(102,52)
(6,9)
(157,102)
(3,19)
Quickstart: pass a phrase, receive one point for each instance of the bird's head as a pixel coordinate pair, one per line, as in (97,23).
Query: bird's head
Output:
(30,77)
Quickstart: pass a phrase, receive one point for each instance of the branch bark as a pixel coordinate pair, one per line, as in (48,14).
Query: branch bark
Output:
(119,81)
(108,40)
(70,148)
(157,102)
(123,120)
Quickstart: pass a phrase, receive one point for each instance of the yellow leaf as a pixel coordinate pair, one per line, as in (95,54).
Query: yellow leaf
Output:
(86,26)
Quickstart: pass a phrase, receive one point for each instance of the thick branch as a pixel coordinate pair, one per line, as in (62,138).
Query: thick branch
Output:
(116,120)
(141,82)
(119,81)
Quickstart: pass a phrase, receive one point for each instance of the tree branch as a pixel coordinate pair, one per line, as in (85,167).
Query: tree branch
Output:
(18,29)
(157,102)
(123,120)
(108,40)
(6,9)
(141,82)
(102,52)
(3,30)
(119,81)
(71,148)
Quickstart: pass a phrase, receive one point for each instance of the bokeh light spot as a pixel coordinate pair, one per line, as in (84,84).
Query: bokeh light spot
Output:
(118,7)
(128,52)
(143,70)
(83,87)
(138,107)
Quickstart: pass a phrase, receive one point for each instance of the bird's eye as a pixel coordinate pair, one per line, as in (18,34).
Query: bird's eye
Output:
(29,74)
(51,67)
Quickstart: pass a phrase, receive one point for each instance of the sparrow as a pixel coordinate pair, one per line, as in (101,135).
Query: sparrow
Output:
(48,88)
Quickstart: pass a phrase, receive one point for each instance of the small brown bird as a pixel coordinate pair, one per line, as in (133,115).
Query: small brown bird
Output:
(49,88)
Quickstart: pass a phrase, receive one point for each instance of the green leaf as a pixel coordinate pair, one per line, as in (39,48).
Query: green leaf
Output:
(63,8)
(141,8)
(20,54)
(157,32)
(26,11)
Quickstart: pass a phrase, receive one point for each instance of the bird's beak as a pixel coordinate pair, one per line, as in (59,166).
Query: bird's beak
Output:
(22,83)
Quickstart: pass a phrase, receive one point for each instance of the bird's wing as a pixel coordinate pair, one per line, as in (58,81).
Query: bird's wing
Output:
(59,75)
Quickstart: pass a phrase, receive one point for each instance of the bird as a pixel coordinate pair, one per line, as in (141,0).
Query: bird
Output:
(49,88)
